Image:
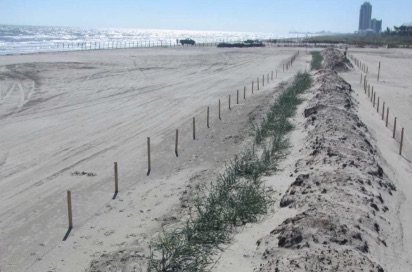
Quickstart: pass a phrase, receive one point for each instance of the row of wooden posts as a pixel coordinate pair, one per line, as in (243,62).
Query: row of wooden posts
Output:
(372,96)
(364,67)
(286,65)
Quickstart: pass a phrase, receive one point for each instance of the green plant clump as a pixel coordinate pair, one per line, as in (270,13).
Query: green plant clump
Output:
(237,196)
(316,62)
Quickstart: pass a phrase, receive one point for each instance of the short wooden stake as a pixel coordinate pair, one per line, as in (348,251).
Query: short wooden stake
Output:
(383,110)
(244,92)
(387,116)
(377,106)
(360,78)
(272,75)
(252,85)
(374,99)
(219,111)
(258,84)
(194,128)
(176,143)
(379,70)
(229,103)
(208,117)
(237,97)
(69,209)
(401,144)
(394,128)
(116,179)
(148,156)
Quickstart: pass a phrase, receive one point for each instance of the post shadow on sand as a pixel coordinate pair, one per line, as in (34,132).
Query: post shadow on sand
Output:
(67,233)
(115,195)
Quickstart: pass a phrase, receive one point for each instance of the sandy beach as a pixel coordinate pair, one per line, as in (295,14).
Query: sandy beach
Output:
(65,118)
(74,112)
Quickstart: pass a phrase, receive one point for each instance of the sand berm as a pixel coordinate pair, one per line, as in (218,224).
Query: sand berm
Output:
(347,201)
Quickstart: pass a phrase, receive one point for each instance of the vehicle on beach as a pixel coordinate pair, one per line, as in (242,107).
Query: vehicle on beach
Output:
(187,41)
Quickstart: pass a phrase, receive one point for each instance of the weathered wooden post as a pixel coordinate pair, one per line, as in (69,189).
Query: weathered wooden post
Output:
(383,110)
(69,209)
(229,103)
(394,128)
(208,117)
(194,128)
(252,85)
(258,84)
(387,116)
(116,179)
(272,76)
(377,106)
(219,111)
(401,144)
(176,142)
(148,156)
(263,80)
(237,97)
(244,92)
(360,78)
(379,70)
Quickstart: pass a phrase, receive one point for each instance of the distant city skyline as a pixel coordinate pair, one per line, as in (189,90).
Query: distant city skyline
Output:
(366,23)
(266,16)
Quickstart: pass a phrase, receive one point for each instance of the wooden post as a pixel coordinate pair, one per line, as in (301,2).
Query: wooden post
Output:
(194,128)
(69,209)
(379,70)
(176,143)
(252,85)
(387,116)
(116,179)
(244,92)
(369,91)
(377,106)
(394,128)
(401,144)
(383,110)
(229,103)
(272,75)
(208,117)
(237,97)
(148,156)
(219,111)
(360,78)
(258,84)
(374,98)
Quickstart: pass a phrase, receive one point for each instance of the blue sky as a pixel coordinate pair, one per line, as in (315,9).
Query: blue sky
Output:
(271,16)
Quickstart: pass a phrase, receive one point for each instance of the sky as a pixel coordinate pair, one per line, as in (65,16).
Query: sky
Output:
(267,16)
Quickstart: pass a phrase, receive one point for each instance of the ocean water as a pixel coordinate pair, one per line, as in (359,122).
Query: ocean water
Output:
(30,39)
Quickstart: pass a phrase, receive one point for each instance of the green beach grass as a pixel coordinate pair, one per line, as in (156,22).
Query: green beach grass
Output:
(237,196)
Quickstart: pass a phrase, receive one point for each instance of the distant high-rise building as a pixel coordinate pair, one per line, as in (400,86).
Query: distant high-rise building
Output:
(376,25)
(365,15)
